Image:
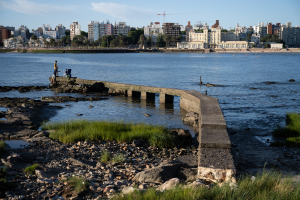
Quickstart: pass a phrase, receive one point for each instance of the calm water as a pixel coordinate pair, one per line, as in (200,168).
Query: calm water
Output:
(263,107)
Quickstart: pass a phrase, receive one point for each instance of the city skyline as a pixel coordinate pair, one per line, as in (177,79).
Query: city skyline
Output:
(34,14)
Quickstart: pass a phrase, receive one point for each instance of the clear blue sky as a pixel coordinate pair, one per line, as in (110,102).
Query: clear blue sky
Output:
(139,13)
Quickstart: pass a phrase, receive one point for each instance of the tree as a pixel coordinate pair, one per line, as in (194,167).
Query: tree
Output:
(267,45)
(67,33)
(224,30)
(37,41)
(253,45)
(52,42)
(160,41)
(33,37)
(149,41)
(86,42)
(78,40)
(134,35)
(182,32)
(167,39)
(249,36)
(84,33)
(105,40)
(173,39)
(142,40)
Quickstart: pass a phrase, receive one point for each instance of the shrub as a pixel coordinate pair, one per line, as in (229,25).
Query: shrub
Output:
(119,158)
(31,169)
(78,183)
(105,156)
(2,147)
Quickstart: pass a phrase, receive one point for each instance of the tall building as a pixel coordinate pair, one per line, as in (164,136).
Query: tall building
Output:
(153,30)
(172,29)
(187,29)
(108,29)
(61,30)
(75,29)
(121,29)
(4,34)
(23,31)
(290,35)
(261,29)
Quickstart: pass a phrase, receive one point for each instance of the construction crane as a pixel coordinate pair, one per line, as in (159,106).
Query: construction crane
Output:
(164,14)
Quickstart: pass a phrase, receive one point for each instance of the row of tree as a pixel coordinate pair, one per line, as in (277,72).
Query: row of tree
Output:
(135,36)
(272,38)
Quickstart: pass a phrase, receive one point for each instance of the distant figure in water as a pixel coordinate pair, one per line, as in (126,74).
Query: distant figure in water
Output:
(233,54)
(246,54)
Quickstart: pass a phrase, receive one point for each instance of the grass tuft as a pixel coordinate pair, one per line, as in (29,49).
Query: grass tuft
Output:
(267,185)
(291,131)
(105,156)
(84,130)
(2,147)
(119,158)
(31,169)
(78,183)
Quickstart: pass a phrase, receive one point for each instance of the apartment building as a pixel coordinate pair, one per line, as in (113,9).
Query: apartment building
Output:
(23,31)
(290,35)
(153,30)
(4,34)
(187,30)
(121,29)
(75,29)
(172,29)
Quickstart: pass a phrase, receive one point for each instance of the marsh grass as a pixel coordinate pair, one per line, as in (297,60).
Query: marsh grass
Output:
(78,183)
(267,185)
(31,169)
(2,147)
(291,131)
(105,156)
(84,130)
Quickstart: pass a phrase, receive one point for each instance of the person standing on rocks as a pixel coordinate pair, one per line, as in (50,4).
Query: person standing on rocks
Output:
(55,73)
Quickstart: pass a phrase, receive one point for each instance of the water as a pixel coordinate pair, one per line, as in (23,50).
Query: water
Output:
(264,106)
(15,144)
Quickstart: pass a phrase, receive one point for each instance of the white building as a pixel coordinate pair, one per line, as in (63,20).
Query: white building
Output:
(153,30)
(23,31)
(61,30)
(75,29)
(213,38)
(48,32)
(255,38)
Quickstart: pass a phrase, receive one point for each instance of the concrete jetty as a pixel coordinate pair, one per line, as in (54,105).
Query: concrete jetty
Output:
(215,158)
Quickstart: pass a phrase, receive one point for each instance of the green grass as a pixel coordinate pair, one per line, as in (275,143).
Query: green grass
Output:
(119,158)
(31,169)
(105,156)
(78,183)
(2,147)
(292,129)
(84,130)
(3,174)
(267,185)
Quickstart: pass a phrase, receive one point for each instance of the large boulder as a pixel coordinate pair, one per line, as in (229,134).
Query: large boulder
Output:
(170,184)
(161,173)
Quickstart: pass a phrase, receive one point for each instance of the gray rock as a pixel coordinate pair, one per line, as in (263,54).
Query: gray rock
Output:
(161,173)
(138,143)
(127,190)
(170,184)
(184,133)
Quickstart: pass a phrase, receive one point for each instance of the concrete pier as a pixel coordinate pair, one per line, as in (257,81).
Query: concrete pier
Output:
(215,156)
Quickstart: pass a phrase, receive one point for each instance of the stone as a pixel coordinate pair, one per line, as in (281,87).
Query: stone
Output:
(161,173)
(137,143)
(91,106)
(184,133)
(143,186)
(127,190)
(170,184)
(233,185)
(292,80)
(196,184)
(147,115)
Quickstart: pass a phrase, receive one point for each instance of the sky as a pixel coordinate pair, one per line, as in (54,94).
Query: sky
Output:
(138,13)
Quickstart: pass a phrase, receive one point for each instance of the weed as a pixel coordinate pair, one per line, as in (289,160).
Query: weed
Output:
(31,169)
(105,156)
(78,183)
(119,158)
(2,147)
(267,185)
(3,174)
(83,130)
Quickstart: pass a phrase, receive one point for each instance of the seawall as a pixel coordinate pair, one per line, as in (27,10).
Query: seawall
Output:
(215,158)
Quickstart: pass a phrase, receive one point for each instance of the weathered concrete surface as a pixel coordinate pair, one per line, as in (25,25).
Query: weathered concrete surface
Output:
(215,160)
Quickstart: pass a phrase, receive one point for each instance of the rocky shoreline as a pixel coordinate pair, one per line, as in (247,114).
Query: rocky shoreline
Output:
(144,166)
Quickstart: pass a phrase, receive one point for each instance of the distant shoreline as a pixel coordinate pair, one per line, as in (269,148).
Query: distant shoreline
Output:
(246,51)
